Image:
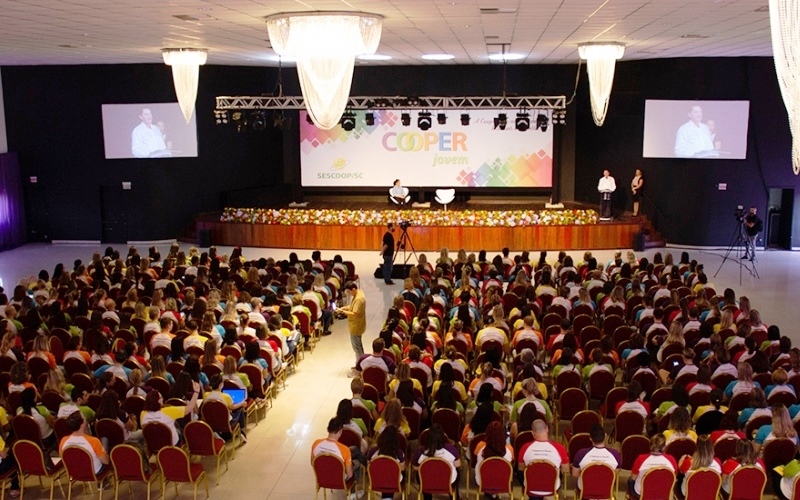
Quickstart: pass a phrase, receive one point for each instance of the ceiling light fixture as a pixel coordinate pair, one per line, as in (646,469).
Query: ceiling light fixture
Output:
(348,121)
(259,121)
(438,57)
(523,121)
(510,56)
(424,120)
(465,119)
(441,118)
(374,57)
(185,75)
(369,119)
(501,121)
(325,45)
(785,27)
(541,122)
(601,59)
(405,119)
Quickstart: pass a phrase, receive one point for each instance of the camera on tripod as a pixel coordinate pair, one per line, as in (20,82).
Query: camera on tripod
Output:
(739,213)
(404,224)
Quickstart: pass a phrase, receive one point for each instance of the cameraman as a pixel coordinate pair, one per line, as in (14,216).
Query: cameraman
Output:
(387,252)
(752,226)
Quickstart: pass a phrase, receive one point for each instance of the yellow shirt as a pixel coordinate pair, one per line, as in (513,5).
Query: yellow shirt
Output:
(357,322)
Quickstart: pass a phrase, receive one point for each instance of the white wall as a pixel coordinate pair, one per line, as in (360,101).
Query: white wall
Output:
(3,139)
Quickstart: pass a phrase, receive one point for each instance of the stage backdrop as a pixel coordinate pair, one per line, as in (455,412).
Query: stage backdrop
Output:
(450,155)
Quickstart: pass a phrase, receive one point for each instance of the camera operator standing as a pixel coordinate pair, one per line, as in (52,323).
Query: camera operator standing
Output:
(752,226)
(387,251)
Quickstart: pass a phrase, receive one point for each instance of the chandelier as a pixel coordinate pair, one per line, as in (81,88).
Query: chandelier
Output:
(601,58)
(784,20)
(325,45)
(185,75)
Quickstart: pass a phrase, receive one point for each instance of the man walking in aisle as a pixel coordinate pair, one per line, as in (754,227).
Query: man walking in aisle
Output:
(356,313)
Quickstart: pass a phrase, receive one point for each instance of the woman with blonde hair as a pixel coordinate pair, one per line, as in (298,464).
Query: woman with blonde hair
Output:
(230,372)
(210,356)
(401,373)
(58,384)
(744,383)
(781,427)
(725,322)
(674,336)
(41,349)
(8,346)
(158,368)
(138,388)
(680,426)
(703,458)
(392,415)
(444,258)
(131,299)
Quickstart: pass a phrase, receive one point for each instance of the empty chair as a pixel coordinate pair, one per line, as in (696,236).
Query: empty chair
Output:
(445,196)
(202,442)
(174,464)
(30,462)
(127,463)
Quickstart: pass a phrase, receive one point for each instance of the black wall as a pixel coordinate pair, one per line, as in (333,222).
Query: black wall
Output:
(54,123)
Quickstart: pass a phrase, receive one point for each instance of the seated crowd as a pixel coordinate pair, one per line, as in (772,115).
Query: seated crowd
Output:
(570,367)
(130,342)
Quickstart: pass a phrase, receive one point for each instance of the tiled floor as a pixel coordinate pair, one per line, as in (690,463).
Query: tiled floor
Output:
(274,463)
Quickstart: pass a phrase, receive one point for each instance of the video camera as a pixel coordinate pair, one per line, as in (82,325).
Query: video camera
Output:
(404,224)
(739,213)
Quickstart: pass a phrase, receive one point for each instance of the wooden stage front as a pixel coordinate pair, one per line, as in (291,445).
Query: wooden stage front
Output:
(611,235)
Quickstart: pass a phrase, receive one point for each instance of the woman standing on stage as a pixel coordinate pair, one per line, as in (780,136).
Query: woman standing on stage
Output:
(637,183)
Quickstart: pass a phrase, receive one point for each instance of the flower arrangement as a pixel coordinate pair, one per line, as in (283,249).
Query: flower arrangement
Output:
(461,218)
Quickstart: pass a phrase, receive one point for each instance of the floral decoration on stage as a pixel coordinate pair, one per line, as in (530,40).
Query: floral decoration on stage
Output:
(465,218)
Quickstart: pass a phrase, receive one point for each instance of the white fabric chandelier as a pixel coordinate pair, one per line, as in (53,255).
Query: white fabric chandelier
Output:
(601,58)
(784,20)
(325,45)
(185,75)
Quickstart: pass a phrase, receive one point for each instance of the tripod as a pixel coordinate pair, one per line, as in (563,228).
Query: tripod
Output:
(738,242)
(405,241)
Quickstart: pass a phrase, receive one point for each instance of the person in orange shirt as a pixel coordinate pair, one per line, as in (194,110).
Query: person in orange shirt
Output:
(332,446)
(80,438)
(528,332)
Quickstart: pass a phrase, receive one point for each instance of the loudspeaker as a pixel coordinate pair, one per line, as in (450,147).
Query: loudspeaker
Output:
(204,238)
(638,241)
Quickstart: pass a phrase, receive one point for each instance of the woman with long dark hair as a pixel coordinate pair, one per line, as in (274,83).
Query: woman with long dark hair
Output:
(494,446)
(388,446)
(440,448)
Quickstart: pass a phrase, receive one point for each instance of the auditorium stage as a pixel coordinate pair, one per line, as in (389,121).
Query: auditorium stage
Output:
(360,225)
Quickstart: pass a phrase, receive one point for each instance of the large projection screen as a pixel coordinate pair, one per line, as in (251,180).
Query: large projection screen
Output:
(148,130)
(695,129)
(449,155)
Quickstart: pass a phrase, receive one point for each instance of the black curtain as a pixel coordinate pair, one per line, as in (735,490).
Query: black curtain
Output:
(12,214)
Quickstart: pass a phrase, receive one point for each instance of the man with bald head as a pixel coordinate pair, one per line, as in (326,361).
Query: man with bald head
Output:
(542,448)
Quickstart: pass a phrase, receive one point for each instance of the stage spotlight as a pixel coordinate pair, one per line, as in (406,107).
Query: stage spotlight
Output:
(441,118)
(501,121)
(239,119)
(220,117)
(308,119)
(424,121)
(465,119)
(541,123)
(560,117)
(369,119)
(259,121)
(405,119)
(348,121)
(523,122)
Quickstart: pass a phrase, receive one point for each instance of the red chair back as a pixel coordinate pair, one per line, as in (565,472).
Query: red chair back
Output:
(567,379)
(127,463)
(578,442)
(434,477)
(613,397)
(329,471)
(350,437)
(134,405)
(159,384)
(375,377)
(30,458)
(779,451)
(175,466)
(200,439)
(632,447)
(570,402)
(216,415)
(52,401)
(747,482)
(597,480)
(111,430)
(627,424)
(584,421)
(541,477)
(413,418)
(37,366)
(496,476)
(600,383)
(385,475)
(450,421)
(680,447)
(156,436)
(79,464)
(702,484)
(657,483)
(75,365)
(25,427)
(725,448)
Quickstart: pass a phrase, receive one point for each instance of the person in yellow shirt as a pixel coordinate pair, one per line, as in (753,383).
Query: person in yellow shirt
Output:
(356,313)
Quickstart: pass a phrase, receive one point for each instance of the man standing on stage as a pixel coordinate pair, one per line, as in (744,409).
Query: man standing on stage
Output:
(387,251)
(752,226)
(356,313)
(606,186)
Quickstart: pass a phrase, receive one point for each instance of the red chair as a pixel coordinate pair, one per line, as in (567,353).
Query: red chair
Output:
(583,422)
(175,466)
(127,463)
(599,480)
(375,377)
(329,473)
(111,430)
(541,477)
(385,476)
(434,477)
(201,441)
(702,484)
(739,401)
(25,427)
(258,390)
(567,379)
(450,421)
(496,477)
(83,381)
(571,402)
(80,467)
(787,399)
(30,462)
(779,451)
(350,438)
(722,380)
(725,448)
(608,409)
(217,416)
(159,384)
(627,423)
(52,401)
(75,365)
(699,398)
(632,447)
(156,436)
(660,396)
(37,366)
(600,383)
(61,429)
(578,442)
(229,350)
(134,405)
(648,381)
(680,447)
(754,424)
(657,483)
(747,483)
(413,418)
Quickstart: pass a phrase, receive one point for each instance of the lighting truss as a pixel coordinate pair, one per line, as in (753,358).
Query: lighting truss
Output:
(399,102)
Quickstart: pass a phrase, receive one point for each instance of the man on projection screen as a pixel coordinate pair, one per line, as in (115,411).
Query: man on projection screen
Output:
(693,139)
(147,140)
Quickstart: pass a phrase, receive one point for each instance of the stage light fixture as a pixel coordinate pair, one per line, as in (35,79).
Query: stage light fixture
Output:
(259,120)
(541,123)
(465,119)
(405,119)
(501,121)
(220,117)
(348,121)
(424,120)
(523,121)
(560,117)
(369,119)
(441,118)
(239,119)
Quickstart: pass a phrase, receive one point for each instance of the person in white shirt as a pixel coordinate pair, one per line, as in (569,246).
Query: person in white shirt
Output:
(606,186)
(146,139)
(693,137)
(596,453)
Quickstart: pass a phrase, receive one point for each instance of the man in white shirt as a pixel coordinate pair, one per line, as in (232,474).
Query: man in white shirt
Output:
(541,448)
(606,186)
(693,138)
(146,139)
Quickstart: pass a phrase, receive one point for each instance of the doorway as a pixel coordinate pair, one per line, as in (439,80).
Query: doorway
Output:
(113,221)
(779,223)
